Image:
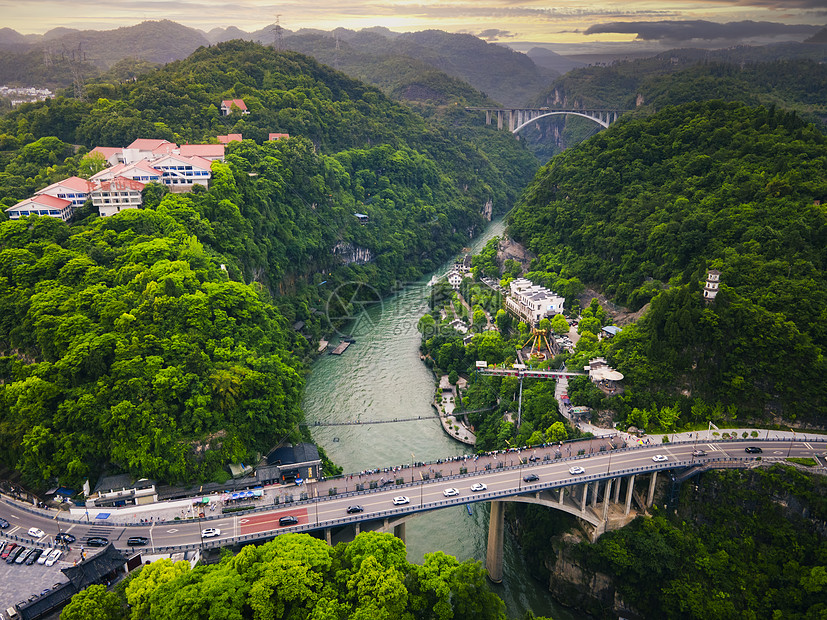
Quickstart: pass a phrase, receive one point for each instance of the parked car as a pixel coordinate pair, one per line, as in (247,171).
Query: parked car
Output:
(753,450)
(576,470)
(15,553)
(65,537)
(354,509)
(659,458)
(400,500)
(34,557)
(21,559)
(450,492)
(97,541)
(531,478)
(210,532)
(54,556)
(478,486)
(36,532)
(42,559)
(7,551)
(137,541)
(288,520)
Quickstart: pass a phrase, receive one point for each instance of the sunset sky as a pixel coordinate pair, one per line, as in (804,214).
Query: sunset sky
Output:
(711,22)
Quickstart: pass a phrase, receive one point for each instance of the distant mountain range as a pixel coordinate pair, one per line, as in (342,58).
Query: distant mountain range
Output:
(376,55)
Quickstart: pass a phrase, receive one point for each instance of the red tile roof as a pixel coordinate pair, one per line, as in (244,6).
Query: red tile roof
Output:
(51,202)
(230,137)
(202,150)
(279,136)
(73,183)
(106,151)
(119,184)
(229,103)
(150,144)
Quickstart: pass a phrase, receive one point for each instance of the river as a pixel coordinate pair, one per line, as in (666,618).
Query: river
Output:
(381,377)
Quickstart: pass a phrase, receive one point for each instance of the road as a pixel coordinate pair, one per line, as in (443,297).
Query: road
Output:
(329,511)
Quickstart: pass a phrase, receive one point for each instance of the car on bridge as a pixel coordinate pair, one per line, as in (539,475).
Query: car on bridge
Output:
(400,500)
(450,492)
(3,524)
(288,520)
(97,541)
(699,453)
(576,470)
(210,532)
(65,537)
(36,532)
(531,478)
(478,486)
(753,450)
(354,509)
(137,541)
(660,458)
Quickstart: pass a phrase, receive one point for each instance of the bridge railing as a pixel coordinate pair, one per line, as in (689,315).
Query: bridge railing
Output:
(408,484)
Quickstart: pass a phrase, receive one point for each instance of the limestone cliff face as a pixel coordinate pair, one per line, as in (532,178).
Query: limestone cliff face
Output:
(573,585)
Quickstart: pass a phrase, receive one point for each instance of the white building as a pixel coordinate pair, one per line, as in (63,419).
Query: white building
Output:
(139,171)
(119,194)
(531,302)
(42,204)
(228,104)
(73,189)
(181,173)
(713,278)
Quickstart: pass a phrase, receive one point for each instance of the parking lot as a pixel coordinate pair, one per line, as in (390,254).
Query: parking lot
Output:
(18,582)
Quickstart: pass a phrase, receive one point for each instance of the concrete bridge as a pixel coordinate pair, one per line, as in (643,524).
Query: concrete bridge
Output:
(613,487)
(516,119)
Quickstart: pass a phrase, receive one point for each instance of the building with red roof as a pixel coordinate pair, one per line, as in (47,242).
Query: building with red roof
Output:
(111,197)
(228,104)
(112,154)
(230,137)
(207,151)
(44,205)
(73,189)
(279,136)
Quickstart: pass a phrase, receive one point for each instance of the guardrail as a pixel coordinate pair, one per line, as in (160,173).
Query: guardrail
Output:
(411,484)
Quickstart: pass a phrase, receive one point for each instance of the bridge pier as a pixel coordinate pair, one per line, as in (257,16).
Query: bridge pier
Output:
(561,494)
(499,119)
(652,482)
(606,499)
(494,551)
(583,497)
(595,487)
(399,531)
(488,117)
(630,487)
(617,489)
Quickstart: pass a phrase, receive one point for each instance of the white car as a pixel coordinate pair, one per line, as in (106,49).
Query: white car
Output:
(36,532)
(210,532)
(450,492)
(659,458)
(479,486)
(576,470)
(398,501)
(53,557)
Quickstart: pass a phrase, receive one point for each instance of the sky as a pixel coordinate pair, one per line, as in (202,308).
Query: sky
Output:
(710,23)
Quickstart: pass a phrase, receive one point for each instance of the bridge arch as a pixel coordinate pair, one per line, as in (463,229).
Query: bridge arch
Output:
(591,117)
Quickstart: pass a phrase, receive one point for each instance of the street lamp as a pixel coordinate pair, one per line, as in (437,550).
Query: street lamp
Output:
(412,467)
(790,449)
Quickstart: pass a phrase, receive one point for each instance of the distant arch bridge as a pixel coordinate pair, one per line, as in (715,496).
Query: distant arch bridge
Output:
(517,119)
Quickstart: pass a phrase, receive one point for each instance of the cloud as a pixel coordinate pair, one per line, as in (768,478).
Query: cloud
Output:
(703,30)
(493,34)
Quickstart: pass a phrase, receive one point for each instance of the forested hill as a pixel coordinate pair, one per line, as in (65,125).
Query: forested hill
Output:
(644,208)
(677,77)
(127,347)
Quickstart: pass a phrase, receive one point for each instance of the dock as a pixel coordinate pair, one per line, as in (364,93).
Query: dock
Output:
(340,348)
(322,345)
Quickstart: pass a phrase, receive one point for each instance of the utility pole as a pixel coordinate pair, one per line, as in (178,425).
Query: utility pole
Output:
(278,32)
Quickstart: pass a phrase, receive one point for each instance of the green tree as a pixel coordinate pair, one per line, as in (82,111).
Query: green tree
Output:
(94,603)
(559,324)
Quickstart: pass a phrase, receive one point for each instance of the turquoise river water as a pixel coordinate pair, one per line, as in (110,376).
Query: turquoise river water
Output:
(381,377)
